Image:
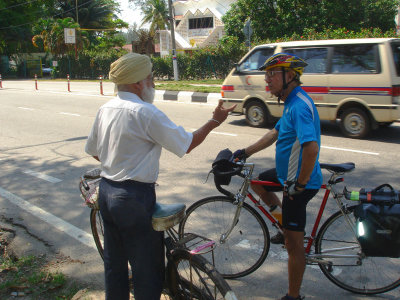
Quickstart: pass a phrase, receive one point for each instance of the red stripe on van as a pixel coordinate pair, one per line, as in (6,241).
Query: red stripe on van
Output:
(316,89)
(395,91)
(380,89)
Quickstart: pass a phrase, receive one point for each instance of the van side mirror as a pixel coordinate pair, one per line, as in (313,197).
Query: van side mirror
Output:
(236,66)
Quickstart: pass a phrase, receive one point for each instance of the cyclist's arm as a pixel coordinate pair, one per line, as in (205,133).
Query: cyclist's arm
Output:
(267,140)
(309,157)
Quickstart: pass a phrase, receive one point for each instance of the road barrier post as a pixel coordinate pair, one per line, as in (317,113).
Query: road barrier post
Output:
(69,86)
(1,83)
(101,85)
(36,86)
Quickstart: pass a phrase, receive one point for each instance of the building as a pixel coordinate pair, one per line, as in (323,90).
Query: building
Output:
(198,23)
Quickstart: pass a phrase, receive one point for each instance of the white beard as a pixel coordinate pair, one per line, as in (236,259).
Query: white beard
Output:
(148,94)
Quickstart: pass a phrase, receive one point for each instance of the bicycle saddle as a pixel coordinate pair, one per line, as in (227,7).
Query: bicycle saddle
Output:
(92,174)
(339,168)
(166,216)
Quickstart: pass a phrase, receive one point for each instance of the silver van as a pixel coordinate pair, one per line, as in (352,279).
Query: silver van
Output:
(356,81)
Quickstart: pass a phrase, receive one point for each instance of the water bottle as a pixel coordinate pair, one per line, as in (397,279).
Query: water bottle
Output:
(276,211)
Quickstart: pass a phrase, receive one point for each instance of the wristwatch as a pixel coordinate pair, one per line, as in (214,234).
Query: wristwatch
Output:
(299,185)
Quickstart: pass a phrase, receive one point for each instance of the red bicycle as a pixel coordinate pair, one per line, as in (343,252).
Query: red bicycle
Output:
(244,241)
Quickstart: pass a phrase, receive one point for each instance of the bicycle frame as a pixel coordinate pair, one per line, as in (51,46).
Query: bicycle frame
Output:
(329,187)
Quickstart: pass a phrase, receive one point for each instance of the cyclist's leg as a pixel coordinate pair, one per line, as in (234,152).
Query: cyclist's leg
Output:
(294,241)
(294,221)
(266,193)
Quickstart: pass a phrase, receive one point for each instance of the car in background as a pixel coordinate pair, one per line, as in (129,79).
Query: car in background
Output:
(46,71)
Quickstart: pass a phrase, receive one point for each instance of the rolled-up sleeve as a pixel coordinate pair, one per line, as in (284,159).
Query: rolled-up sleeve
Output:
(167,134)
(91,143)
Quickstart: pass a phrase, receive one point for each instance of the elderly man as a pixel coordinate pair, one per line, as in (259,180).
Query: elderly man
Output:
(297,137)
(127,137)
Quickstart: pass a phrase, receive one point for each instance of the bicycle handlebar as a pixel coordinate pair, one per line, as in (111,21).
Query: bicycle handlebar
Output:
(236,169)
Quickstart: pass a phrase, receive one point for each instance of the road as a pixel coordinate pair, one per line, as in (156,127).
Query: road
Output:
(42,156)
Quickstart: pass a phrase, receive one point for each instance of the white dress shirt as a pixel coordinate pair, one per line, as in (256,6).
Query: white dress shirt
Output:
(128,135)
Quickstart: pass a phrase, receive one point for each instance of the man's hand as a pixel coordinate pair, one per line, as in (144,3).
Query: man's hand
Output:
(240,154)
(292,189)
(220,113)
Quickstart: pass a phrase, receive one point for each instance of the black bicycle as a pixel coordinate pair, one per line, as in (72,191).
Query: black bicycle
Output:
(188,274)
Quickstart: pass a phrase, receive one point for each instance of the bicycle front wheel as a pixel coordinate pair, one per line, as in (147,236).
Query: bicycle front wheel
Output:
(357,274)
(193,277)
(242,251)
(96,223)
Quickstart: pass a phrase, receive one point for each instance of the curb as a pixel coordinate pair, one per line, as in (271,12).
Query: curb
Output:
(187,97)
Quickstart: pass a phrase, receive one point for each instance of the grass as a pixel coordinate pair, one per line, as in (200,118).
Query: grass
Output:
(28,276)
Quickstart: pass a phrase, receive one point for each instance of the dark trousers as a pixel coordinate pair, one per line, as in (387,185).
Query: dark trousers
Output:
(126,208)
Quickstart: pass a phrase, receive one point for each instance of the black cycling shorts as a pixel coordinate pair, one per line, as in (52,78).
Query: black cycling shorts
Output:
(293,211)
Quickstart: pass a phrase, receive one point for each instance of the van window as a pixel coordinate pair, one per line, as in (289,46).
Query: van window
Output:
(360,59)
(255,60)
(396,56)
(316,58)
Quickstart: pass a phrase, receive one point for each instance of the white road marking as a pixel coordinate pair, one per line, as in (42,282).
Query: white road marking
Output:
(42,176)
(26,108)
(350,150)
(69,114)
(71,230)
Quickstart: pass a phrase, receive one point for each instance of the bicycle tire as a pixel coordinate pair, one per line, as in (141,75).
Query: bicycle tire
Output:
(247,246)
(374,275)
(193,277)
(96,223)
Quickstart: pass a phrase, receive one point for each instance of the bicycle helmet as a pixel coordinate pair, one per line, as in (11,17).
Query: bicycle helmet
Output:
(285,60)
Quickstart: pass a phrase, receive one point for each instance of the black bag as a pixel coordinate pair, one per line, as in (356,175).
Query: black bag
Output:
(223,163)
(380,222)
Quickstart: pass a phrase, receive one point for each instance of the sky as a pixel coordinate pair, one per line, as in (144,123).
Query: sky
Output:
(130,15)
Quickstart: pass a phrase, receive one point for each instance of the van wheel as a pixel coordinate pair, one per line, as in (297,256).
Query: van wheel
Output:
(355,123)
(256,114)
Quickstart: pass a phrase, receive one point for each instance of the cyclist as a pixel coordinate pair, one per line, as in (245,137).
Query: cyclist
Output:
(127,138)
(297,137)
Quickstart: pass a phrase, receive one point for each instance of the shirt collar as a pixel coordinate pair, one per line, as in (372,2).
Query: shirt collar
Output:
(292,94)
(129,96)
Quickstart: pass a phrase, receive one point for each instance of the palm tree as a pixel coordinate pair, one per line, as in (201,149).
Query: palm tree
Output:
(93,14)
(156,13)
(145,42)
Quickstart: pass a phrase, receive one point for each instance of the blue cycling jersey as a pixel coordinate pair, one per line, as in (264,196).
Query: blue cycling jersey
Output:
(299,124)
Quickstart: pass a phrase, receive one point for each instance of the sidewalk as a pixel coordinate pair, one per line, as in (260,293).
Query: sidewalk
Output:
(107,89)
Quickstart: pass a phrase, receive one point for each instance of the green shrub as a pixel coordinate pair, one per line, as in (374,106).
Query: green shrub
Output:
(88,65)
(202,63)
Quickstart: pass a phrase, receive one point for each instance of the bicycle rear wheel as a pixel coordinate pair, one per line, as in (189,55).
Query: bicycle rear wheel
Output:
(246,247)
(96,223)
(363,275)
(193,277)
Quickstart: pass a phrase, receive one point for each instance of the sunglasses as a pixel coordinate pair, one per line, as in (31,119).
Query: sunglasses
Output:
(271,74)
